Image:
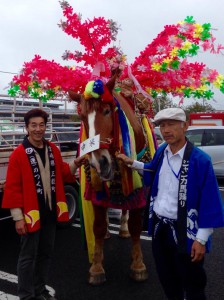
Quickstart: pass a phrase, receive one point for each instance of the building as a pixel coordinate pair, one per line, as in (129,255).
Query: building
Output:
(13,109)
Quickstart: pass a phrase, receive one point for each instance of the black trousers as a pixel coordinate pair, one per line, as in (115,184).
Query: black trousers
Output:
(180,278)
(36,250)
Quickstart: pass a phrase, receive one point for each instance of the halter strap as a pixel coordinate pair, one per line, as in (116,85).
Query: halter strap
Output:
(106,144)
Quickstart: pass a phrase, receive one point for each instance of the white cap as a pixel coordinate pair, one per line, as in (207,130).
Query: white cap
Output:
(170,114)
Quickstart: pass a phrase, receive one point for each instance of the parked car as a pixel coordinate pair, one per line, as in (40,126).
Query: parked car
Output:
(158,135)
(210,139)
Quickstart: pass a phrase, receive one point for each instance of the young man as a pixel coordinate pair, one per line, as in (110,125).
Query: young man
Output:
(185,206)
(34,192)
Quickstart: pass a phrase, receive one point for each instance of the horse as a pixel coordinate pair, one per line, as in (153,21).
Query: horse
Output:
(99,115)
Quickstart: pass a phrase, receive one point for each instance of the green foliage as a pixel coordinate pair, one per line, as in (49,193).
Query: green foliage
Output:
(162,102)
(197,107)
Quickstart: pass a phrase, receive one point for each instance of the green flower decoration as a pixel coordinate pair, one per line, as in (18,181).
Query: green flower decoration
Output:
(222,87)
(193,50)
(154,94)
(175,64)
(164,67)
(16,87)
(181,36)
(13,91)
(205,35)
(50,93)
(206,26)
(182,53)
(44,98)
(35,95)
(187,92)
(36,85)
(197,94)
(208,94)
(164,93)
(189,19)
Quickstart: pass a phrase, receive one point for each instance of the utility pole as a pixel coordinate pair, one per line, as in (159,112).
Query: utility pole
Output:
(158,101)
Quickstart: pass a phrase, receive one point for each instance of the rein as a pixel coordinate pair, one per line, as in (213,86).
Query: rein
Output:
(139,169)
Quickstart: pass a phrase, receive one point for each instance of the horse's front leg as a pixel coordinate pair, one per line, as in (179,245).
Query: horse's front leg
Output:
(138,268)
(123,231)
(96,271)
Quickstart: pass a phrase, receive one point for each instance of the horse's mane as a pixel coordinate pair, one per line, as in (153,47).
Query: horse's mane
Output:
(134,121)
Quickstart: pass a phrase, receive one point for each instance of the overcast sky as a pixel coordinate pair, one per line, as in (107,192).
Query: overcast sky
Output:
(29,27)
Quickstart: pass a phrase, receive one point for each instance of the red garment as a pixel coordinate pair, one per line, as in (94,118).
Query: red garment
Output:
(20,190)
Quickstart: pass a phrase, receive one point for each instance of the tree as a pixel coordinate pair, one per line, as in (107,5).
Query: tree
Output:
(197,107)
(162,102)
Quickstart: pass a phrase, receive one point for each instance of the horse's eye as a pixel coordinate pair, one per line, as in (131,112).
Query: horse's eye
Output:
(106,111)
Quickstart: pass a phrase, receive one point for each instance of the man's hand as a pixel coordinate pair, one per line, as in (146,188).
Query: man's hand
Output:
(79,161)
(21,227)
(197,251)
(125,159)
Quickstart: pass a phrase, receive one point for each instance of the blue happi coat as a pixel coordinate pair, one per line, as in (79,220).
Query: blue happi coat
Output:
(203,199)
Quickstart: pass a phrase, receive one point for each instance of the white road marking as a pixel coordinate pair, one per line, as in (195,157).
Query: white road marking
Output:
(4,296)
(143,237)
(14,279)
(8,277)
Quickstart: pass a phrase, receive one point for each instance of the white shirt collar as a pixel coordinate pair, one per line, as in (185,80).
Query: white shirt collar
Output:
(180,152)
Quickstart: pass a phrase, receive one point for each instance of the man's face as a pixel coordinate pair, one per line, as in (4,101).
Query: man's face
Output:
(36,129)
(173,131)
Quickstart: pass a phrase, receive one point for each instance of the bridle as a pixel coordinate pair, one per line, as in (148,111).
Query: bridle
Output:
(106,144)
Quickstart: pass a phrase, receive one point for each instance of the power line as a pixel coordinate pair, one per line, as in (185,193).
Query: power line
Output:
(8,72)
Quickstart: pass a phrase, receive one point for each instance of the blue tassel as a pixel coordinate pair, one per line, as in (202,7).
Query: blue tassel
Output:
(124,130)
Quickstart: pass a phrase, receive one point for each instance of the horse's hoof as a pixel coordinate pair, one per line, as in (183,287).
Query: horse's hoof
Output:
(97,279)
(139,276)
(124,234)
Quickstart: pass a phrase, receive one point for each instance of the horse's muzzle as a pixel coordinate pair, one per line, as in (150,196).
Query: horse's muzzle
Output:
(104,168)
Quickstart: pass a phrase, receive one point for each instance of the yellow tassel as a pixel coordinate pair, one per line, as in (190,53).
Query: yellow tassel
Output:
(148,131)
(87,208)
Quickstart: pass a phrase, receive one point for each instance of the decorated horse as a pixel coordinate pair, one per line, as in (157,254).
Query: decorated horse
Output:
(109,183)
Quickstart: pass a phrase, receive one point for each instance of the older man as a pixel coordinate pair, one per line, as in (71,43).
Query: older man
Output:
(185,206)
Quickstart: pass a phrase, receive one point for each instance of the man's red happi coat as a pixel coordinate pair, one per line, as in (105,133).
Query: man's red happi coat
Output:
(20,190)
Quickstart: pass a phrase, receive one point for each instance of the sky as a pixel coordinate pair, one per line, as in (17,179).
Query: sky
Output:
(29,27)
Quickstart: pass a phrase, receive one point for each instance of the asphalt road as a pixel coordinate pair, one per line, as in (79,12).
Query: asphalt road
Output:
(69,270)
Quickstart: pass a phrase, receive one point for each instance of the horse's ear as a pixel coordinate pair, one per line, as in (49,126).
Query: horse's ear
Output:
(74,96)
(111,83)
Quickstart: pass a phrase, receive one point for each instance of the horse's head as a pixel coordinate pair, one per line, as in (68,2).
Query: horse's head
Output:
(96,107)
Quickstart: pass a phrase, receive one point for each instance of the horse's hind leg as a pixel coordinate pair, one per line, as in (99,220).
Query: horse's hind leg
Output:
(138,268)
(96,271)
